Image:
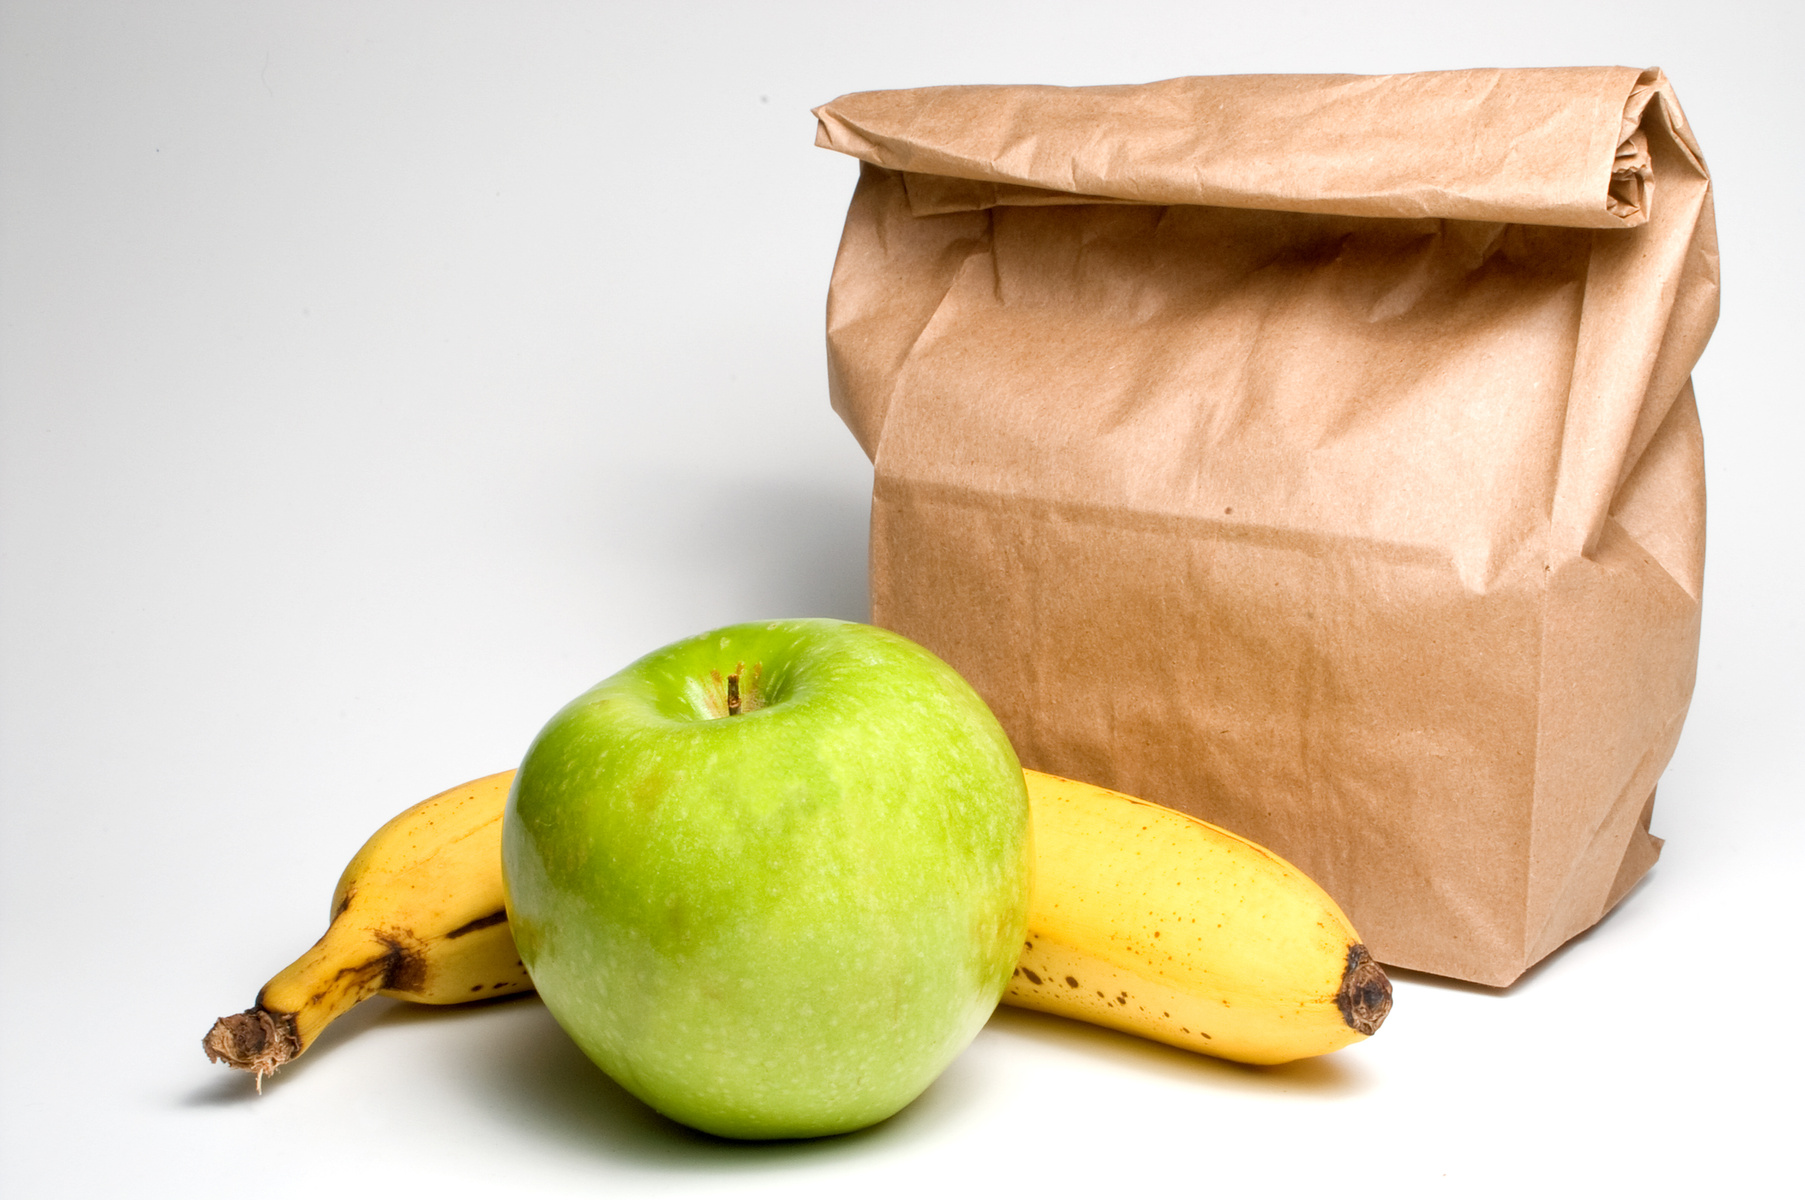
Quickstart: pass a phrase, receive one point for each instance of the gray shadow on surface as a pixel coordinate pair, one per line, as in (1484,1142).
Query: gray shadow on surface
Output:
(1327,1077)
(529,1073)
(532,1074)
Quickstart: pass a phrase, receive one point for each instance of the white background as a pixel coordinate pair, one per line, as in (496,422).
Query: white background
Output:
(374,377)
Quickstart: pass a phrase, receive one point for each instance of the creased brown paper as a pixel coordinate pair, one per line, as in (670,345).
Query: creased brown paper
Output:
(1316,455)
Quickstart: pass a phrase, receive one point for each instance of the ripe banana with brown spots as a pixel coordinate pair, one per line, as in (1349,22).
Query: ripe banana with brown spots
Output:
(1147,920)
(1141,919)
(418,914)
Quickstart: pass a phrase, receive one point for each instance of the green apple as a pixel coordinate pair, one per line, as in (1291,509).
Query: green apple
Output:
(771,879)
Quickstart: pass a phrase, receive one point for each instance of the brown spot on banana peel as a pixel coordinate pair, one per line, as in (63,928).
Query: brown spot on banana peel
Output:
(401,967)
(404,966)
(1365,995)
(494,918)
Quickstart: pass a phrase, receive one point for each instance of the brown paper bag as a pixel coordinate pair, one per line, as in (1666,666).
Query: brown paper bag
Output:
(1316,455)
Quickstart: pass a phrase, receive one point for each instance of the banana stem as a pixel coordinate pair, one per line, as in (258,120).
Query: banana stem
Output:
(1365,994)
(254,1040)
(343,968)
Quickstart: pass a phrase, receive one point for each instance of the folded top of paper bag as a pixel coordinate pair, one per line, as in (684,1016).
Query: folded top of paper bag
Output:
(1539,146)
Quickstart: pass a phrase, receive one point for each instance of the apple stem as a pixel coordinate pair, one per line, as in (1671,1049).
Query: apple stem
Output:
(733,694)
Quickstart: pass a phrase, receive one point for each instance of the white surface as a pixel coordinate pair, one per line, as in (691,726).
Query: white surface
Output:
(374,377)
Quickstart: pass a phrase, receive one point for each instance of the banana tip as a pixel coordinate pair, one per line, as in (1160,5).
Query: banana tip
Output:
(1365,995)
(254,1040)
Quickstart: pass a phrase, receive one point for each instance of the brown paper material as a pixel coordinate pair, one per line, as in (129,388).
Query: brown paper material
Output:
(1316,455)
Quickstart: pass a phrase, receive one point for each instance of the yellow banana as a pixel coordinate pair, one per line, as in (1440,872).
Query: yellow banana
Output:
(1141,919)
(1147,920)
(418,914)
